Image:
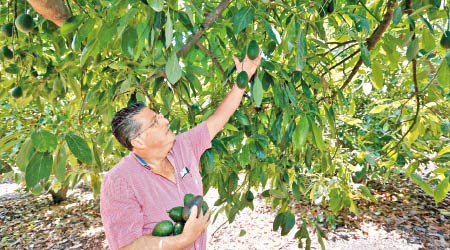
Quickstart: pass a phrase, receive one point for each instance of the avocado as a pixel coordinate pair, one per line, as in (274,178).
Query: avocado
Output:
(24,23)
(249,196)
(271,47)
(205,207)
(330,6)
(445,40)
(352,2)
(132,99)
(163,228)
(176,214)
(196,201)
(7,52)
(17,92)
(188,198)
(178,228)
(242,80)
(252,50)
(7,29)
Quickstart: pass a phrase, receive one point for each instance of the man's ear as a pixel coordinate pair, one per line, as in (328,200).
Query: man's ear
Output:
(137,143)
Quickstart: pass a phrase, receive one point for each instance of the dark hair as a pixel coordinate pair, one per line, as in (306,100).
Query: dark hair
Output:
(124,126)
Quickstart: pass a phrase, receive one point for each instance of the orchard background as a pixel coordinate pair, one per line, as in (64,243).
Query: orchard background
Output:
(348,92)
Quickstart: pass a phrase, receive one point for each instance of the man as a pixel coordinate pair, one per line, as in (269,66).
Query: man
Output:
(160,169)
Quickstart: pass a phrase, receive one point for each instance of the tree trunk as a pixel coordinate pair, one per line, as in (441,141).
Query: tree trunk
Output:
(59,196)
(54,10)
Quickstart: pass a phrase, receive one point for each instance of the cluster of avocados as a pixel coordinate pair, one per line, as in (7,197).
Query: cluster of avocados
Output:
(252,53)
(180,215)
(23,23)
(327,7)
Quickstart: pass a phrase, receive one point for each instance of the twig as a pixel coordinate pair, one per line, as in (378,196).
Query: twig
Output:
(210,54)
(371,42)
(370,12)
(416,86)
(184,100)
(210,19)
(212,235)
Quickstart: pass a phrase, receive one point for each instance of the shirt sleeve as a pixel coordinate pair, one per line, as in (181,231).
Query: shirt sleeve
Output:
(199,140)
(121,213)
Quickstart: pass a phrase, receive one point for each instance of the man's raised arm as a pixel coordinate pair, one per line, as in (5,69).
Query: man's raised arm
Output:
(231,102)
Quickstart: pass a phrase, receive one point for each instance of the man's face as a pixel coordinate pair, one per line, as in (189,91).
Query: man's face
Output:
(154,131)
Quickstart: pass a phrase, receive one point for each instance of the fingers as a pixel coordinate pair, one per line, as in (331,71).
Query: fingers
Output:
(193,214)
(237,63)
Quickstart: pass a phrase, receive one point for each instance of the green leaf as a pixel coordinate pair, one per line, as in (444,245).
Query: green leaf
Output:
(277,221)
(44,140)
(25,153)
(300,133)
(82,33)
(317,136)
(419,181)
(242,118)
(336,200)
(173,69)
(441,190)
(93,46)
(288,223)
(39,168)
(243,18)
(59,164)
(271,31)
(366,192)
(365,55)
(397,16)
(79,147)
(412,50)
(257,91)
(296,192)
(443,76)
(300,57)
(157,5)
(71,24)
(378,109)
(129,41)
(168,30)
(377,75)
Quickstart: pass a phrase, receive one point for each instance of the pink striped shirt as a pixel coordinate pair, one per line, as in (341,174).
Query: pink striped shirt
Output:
(133,198)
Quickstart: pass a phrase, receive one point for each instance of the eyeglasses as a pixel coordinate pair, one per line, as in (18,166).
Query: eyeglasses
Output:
(152,124)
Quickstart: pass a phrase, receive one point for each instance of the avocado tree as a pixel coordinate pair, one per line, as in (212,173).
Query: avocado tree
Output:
(348,91)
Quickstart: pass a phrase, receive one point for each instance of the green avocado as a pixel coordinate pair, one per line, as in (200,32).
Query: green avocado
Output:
(330,6)
(24,23)
(196,201)
(252,50)
(17,92)
(242,80)
(7,52)
(249,196)
(205,207)
(163,228)
(445,40)
(7,29)
(176,214)
(178,228)
(188,198)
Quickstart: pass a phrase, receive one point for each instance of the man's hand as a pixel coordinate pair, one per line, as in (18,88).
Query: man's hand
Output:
(195,226)
(247,64)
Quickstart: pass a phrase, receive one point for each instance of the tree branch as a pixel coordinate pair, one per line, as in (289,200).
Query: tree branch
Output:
(210,54)
(184,100)
(210,19)
(371,42)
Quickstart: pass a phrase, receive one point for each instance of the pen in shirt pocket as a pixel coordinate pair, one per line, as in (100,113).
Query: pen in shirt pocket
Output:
(185,171)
